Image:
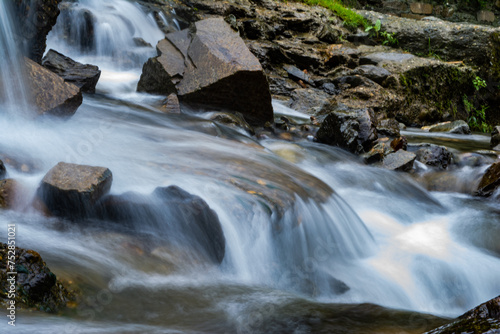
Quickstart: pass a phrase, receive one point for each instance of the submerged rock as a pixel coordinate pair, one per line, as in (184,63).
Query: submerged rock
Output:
(35,285)
(84,76)
(70,190)
(490,181)
(432,155)
(458,127)
(210,65)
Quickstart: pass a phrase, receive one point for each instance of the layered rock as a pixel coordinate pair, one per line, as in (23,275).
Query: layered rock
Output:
(212,66)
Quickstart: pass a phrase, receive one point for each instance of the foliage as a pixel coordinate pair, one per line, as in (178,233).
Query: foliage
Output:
(479,83)
(476,116)
(388,38)
(351,19)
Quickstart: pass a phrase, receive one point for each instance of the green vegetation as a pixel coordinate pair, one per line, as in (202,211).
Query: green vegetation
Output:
(476,117)
(478,83)
(387,37)
(351,19)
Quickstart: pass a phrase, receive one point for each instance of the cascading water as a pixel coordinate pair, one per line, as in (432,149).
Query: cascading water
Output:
(310,233)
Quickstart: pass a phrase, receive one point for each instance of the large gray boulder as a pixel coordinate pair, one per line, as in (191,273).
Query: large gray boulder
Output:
(210,65)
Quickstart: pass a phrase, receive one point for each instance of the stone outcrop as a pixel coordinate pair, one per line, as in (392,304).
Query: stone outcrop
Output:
(70,190)
(84,76)
(210,65)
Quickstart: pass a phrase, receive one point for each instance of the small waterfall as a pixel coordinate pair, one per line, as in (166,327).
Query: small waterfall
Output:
(12,88)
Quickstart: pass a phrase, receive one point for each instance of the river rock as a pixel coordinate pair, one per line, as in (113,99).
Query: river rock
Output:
(353,129)
(84,76)
(181,215)
(388,127)
(310,101)
(3,170)
(495,137)
(35,285)
(458,127)
(400,161)
(8,190)
(483,319)
(71,190)
(210,65)
(432,155)
(490,181)
(49,93)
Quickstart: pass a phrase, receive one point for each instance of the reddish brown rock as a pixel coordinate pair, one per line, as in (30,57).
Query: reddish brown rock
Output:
(490,181)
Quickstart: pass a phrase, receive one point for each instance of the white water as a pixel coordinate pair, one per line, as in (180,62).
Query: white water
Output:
(321,217)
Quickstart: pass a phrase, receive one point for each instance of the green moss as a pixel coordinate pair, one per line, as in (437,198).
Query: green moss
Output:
(350,18)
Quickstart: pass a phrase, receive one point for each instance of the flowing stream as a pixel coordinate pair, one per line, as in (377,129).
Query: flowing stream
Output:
(314,238)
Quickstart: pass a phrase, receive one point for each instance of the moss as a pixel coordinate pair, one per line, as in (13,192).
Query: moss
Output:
(495,54)
(350,18)
(472,326)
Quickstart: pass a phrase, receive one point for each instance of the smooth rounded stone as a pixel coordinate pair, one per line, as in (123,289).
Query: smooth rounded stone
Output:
(3,170)
(495,137)
(372,72)
(353,129)
(432,155)
(84,76)
(211,65)
(49,93)
(483,319)
(490,181)
(70,190)
(36,286)
(458,127)
(388,127)
(8,192)
(400,161)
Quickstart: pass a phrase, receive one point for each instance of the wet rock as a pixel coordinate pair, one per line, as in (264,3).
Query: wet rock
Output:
(372,72)
(458,127)
(388,127)
(495,137)
(8,190)
(171,105)
(185,218)
(353,81)
(483,319)
(473,160)
(400,160)
(353,129)
(210,66)
(310,101)
(35,285)
(84,76)
(295,73)
(338,55)
(71,190)
(490,181)
(281,86)
(381,57)
(141,42)
(49,93)
(3,170)
(432,155)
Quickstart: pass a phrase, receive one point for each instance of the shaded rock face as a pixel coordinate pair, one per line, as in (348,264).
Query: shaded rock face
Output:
(3,170)
(353,129)
(210,66)
(49,93)
(186,219)
(490,181)
(84,76)
(70,190)
(432,155)
(35,286)
(35,20)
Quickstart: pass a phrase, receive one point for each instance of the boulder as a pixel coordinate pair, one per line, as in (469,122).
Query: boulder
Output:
(84,76)
(400,161)
(458,127)
(210,65)
(70,190)
(495,137)
(432,155)
(483,319)
(388,127)
(490,181)
(49,93)
(8,189)
(35,285)
(353,129)
(186,219)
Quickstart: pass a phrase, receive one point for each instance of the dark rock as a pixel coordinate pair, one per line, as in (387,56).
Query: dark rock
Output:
(388,127)
(141,42)
(256,29)
(295,73)
(3,170)
(490,181)
(495,137)
(353,129)
(8,190)
(338,55)
(372,72)
(279,85)
(329,34)
(310,101)
(400,161)
(353,81)
(49,93)
(458,127)
(35,285)
(432,155)
(330,88)
(83,76)
(211,66)
(71,190)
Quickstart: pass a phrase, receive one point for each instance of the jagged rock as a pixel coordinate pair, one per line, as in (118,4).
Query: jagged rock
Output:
(490,181)
(49,93)
(171,105)
(483,319)
(400,143)
(372,72)
(458,127)
(84,76)
(495,137)
(71,190)
(310,101)
(400,160)
(3,170)
(432,155)
(35,285)
(189,218)
(295,73)
(353,129)
(141,42)
(8,189)
(211,66)
(388,127)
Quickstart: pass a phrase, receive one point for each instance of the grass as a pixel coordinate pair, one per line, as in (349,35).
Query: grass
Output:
(350,18)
